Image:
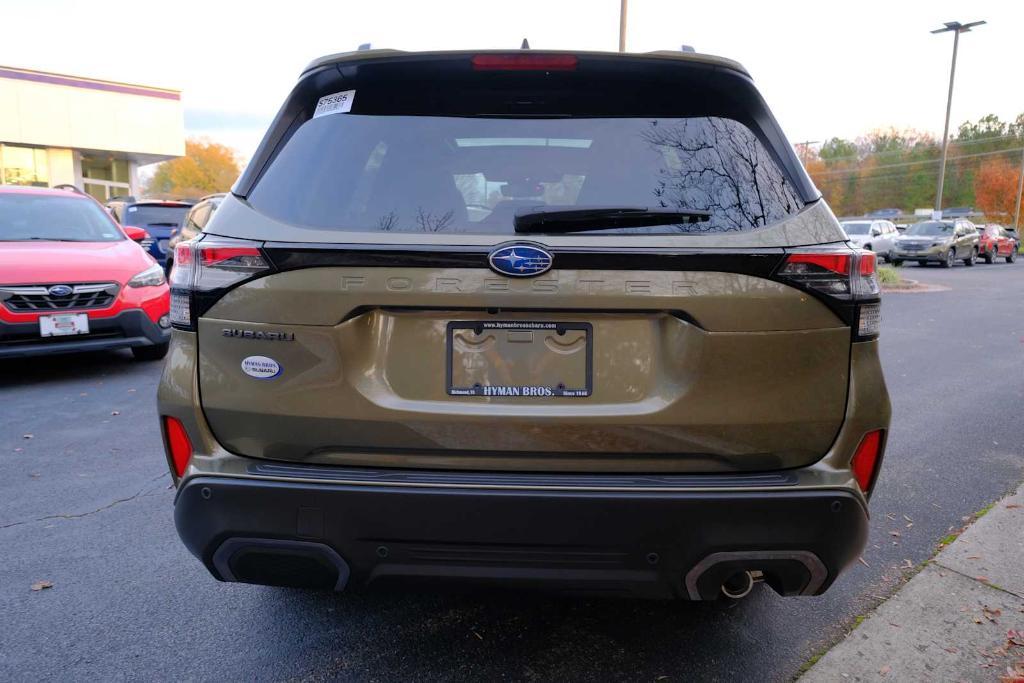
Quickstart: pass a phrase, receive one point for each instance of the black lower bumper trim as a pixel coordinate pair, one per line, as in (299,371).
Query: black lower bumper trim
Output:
(125,330)
(636,543)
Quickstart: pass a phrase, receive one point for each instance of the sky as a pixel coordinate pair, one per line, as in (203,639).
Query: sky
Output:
(826,68)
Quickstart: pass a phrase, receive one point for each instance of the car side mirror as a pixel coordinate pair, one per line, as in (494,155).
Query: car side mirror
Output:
(135,234)
(875,232)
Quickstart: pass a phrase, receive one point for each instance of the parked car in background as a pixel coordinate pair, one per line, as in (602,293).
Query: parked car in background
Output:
(115,205)
(71,279)
(886,214)
(878,236)
(958,212)
(158,217)
(195,222)
(571,386)
(942,242)
(1014,235)
(995,242)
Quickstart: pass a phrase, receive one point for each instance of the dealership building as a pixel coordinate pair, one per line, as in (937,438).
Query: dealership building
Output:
(57,129)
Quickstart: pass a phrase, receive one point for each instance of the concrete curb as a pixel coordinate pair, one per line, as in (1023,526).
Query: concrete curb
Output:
(960,619)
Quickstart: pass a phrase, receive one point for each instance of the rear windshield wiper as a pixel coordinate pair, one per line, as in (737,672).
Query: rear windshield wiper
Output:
(561,219)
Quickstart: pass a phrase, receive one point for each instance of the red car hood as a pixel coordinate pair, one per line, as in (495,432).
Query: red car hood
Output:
(27,263)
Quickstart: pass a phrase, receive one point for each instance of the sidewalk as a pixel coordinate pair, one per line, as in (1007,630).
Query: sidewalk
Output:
(960,619)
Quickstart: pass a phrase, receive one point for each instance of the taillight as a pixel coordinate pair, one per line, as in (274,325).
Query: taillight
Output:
(205,269)
(525,62)
(866,459)
(847,278)
(178,445)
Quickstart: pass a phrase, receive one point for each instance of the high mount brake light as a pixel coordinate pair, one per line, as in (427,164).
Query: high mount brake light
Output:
(847,278)
(525,62)
(205,269)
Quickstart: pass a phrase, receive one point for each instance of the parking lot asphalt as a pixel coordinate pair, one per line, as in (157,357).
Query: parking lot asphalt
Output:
(85,504)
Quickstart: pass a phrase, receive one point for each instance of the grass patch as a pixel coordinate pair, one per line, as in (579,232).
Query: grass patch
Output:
(888,275)
(946,540)
(984,511)
(806,666)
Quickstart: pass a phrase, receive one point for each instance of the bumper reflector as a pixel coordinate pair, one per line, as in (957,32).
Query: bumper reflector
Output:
(178,444)
(865,459)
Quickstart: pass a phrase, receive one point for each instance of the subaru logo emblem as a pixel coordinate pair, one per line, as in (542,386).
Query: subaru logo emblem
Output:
(520,260)
(59,290)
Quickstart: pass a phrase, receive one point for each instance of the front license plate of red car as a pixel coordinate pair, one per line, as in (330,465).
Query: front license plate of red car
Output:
(63,325)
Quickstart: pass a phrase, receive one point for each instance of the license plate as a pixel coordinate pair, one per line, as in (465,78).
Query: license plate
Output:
(64,324)
(519,359)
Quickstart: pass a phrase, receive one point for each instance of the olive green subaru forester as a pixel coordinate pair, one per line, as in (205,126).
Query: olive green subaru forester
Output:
(569,320)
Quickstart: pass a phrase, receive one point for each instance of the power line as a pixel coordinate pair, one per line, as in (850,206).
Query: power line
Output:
(847,171)
(890,152)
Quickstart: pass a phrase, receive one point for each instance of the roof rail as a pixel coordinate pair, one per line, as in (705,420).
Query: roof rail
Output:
(67,187)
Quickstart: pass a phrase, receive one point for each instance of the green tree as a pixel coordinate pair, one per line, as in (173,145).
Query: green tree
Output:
(207,167)
(837,148)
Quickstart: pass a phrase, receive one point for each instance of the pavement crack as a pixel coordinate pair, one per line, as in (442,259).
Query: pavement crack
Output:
(975,579)
(142,493)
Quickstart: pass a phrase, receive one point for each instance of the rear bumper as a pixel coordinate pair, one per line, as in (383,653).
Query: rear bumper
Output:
(124,330)
(662,540)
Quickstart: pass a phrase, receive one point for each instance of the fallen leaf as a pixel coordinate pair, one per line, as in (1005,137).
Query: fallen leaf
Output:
(895,533)
(973,557)
(908,519)
(977,620)
(907,564)
(42,585)
(1013,506)
(951,650)
(477,635)
(115,412)
(863,562)
(27,436)
(983,579)
(19,450)
(884,671)
(1015,637)
(131,391)
(890,516)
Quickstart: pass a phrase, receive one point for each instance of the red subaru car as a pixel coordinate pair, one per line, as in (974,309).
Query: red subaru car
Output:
(72,280)
(995,243)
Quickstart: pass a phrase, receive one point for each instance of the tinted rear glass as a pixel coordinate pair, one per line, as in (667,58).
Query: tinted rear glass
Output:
(857,228)
(142,215)
(26,217)
(352,172)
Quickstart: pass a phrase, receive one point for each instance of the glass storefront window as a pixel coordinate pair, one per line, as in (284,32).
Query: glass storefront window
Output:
(105,178)
(23,166)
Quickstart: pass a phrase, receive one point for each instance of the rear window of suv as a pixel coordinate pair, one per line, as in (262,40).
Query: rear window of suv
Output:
(466,174)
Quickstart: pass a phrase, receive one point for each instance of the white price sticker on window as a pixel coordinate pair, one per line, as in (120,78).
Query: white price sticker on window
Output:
(337,103)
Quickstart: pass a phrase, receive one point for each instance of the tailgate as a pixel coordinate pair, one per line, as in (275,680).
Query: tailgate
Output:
(430,367)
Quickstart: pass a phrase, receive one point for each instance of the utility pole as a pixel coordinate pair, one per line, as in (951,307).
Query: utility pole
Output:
(622,25)
(1020,191)
(805,148)
(957,28)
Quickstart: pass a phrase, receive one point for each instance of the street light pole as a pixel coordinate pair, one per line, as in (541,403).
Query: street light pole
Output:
(957,28)
(622,25)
